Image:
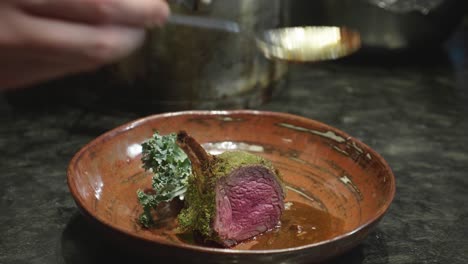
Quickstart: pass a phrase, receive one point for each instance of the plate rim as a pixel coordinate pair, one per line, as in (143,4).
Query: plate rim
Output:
(137,122)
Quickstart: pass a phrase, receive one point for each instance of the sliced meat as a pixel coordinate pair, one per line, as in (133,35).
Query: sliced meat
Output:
(231,197)
(249,202)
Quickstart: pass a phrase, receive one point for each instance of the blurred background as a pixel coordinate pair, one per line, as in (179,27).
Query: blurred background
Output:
(183,67)
(386,25)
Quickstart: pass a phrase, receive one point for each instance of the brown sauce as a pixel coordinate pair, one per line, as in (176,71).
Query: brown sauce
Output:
(300,225)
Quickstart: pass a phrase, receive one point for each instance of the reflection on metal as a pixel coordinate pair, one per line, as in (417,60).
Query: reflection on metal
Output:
(293,44)
(308,44)
(204,22)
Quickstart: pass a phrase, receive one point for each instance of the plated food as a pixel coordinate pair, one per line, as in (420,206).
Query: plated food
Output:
(335,188)
(229,198)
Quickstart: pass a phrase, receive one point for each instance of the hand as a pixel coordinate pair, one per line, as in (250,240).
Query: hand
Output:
(44,39)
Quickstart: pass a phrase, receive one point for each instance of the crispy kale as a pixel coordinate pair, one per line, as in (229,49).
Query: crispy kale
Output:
(171,168)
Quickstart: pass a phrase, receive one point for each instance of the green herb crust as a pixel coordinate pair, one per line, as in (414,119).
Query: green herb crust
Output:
(200,210)
(181,167)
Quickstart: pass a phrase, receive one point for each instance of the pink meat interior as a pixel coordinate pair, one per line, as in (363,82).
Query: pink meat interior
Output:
(249,201)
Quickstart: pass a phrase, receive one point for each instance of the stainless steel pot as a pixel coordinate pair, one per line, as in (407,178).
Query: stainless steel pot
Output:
(384,24)
(183,67)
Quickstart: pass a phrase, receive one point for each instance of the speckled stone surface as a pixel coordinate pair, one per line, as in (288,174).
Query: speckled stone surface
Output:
(414,114)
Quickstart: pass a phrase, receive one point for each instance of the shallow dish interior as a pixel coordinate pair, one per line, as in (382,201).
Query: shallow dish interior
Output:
(324,168)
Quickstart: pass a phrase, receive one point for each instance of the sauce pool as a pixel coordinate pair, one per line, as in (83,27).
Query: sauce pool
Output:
(301,225)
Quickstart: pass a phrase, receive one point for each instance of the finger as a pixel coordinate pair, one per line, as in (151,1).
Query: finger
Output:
(129,12)
(95,45)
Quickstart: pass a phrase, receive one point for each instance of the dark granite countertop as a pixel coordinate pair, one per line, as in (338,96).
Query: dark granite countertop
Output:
(411,110)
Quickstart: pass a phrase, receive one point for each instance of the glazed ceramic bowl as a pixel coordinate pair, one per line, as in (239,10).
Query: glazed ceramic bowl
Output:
(331,172)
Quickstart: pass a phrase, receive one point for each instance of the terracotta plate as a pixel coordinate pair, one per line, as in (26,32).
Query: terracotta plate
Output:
(341,185)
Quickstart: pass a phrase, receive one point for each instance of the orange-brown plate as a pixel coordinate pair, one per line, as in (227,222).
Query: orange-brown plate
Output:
(337,186)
